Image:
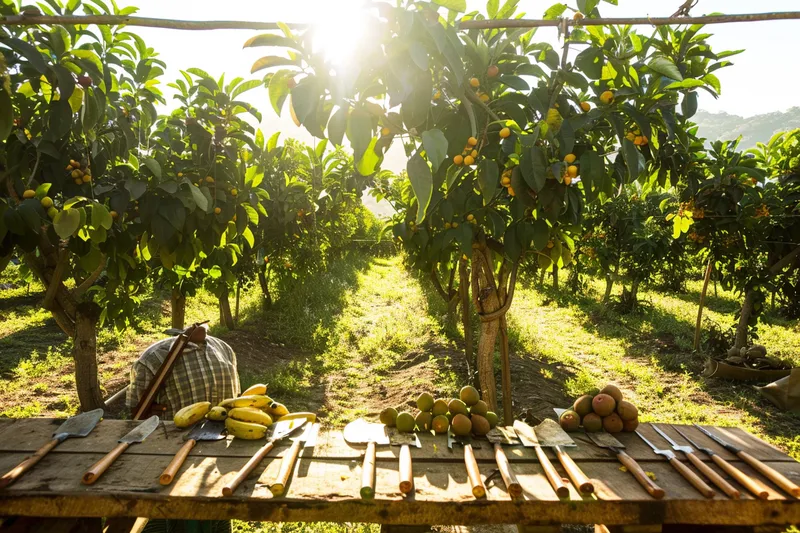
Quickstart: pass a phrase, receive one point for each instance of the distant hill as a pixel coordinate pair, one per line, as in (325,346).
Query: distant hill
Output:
(758,128)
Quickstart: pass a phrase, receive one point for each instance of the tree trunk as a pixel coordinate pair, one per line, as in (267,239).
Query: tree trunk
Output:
(635,293)
(609,287)
(87,381)
(488,301)
(225,316)
(744,318)
(452,308)
(466,323)
(555,276)
(178,304)
(505,358)
(697,328)
(262,280)
(238,294)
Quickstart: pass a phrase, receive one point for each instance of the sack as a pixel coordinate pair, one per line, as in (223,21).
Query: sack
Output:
(784,393)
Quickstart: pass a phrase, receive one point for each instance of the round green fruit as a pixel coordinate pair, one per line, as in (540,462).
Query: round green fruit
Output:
(457,407)
(440,407)
(389,416)
(440,424)
(479,408)
(480,426)
(425,402)
(461,425)
(423,421)
(469,395)
(493,419)
(405,422)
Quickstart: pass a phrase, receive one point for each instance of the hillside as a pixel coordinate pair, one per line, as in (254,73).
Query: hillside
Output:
(758,128)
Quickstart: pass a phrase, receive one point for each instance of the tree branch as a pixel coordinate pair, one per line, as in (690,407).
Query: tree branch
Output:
(472,97)
(784,262)
(438,285)
(78,291)
(55,280)
(494,315)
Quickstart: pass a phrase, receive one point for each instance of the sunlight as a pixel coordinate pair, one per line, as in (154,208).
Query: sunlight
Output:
(339,28)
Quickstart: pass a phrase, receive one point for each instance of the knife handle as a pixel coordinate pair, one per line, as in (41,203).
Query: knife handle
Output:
(558,483)
(475,480)
(715,478)
(177,462)
(287,467)
(509,478)
(692,478)
(771,474)
(406,471)
(12,475)
(641,476)
(97,469)
(575,473)
(231,486)
(368,473)
(754,486)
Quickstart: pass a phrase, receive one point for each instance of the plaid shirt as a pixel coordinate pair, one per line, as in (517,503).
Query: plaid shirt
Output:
(204,372)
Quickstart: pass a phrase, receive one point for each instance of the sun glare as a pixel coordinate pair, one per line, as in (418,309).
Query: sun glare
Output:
(338,29)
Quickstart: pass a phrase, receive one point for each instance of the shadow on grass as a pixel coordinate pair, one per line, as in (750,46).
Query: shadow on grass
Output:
(28,344)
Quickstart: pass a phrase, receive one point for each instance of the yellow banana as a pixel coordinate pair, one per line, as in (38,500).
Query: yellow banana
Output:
(250,414)
(217,413)
(245,430)
(311,417)
(253,400)
(276,410)
(191,414)
(258,388)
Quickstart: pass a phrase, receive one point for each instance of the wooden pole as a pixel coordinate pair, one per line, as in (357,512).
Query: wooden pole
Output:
(697,328)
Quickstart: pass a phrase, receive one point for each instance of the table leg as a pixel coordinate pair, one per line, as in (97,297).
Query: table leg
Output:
(125,525)
(51,525)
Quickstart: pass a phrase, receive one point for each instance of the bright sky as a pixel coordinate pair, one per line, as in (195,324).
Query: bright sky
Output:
(759,81)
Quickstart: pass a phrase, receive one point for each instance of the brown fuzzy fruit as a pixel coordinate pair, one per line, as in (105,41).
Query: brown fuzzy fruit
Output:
(461,425)
(612,423)
(627,411)
(440,424)
(440,407)
(457,407)
(630,425)
(423,421)
(592,423)
(583,405)
(603,404)
(480,426)
(569,420)
(613,391)
(479,408)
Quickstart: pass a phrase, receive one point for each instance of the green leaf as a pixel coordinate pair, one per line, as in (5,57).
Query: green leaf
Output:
(688,83)
(305,98)
(515,82)
(665,67)
(41,190)
(199,198)
(555,11)
(511,245)
(689,105)
(279,90)
(270,39)
(633,159)
(59,119)
(534,168)
(435,145)
(101,218)
(66,222)
(359,132)
(29,52)
(248,236)
(421,178)
(419,55)
(246,86)
(491,8)
(76,99)
(6,114)
(713,81)
(366,165)
(454,5)
(269,62)
(488,176)
(541,234)
(153,166)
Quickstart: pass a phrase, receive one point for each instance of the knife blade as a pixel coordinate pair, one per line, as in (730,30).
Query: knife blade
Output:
(681,468)
(135,436)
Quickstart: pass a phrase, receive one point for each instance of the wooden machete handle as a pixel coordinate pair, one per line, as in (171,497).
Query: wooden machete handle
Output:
(475,480)
(509,478)
(574,472)
(287,467)
(97,469)
(558,483)
(754,486)
(405,470)
(177,462)
(715,478)
(231,486)
(692,478)
(641,476)
(368,473)
(771,474)
(14,474)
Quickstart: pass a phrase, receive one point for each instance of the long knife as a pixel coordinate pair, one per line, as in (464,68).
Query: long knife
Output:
(753,485)
(767,471)
(135,436)
(308,439)
(681,468)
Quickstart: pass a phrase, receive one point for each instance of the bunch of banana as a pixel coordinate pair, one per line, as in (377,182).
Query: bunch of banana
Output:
(191,414)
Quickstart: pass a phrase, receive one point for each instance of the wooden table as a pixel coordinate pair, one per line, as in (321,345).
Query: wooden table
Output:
(325,484)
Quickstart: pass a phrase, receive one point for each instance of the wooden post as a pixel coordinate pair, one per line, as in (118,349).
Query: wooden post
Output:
(696,345)
(508,415)
(178,308)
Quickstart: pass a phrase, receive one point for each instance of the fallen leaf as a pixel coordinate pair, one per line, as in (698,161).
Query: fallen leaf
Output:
(651,475)
(623,469)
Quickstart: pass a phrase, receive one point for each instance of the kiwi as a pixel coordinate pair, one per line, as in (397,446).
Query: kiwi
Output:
(440,424)
(569,420)
(457,407)
(389,416)
(480,408)
(425,402)
(480,426)
(405,422)
(493,419)
(630,425)
(461,425)
(592,423)
(612,423)
(583,405)
(440,407)
(469,395)
(424,420)
(627,411)
(613,391)
(603,404)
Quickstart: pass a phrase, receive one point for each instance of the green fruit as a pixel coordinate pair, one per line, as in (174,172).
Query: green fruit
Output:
(423,421)
(389,416)
(405,422)
(613,391)
(480,426)
(461,425)
(480,408)
(425,402)
(592,423)
(457,407)
(440,424)
(440,407)
(569,420)
(493,419)
(583,405)
(469,395)
(52,212)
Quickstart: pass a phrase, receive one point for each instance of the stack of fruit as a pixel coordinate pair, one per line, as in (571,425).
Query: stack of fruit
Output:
(246,417)
(465,415)
(605,410)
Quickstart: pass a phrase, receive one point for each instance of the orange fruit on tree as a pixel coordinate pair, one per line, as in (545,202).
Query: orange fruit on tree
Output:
(217,210)
(385,131)
(469,160)
(209,179)
(180,174)
(492,71)
(447,225)
(505,181)
(630,136)
(114,214)
(607,97)
(474,82)
(567,180)
(572,171)
(437,95)
(586,106)
(472,141)
(577,16)
(29,193)
(234,192)
(474,154)
(458,160)
(569,158)
(511,191)
(454,225)
(484,97)
(505,132)
(470,217)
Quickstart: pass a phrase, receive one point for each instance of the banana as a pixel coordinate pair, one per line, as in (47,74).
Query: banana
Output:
(253,400)
(217,413)
(258,388)
(311,417)
(276,410)
(250,414)
(245,430)
(191,414)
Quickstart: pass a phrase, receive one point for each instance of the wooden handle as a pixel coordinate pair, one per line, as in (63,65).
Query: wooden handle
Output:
(287,467)
(574,472)
(406,471)
(509,478)
(692,478)
(641,476)
(715,478)
(368,473)
(771,474)
(97,469)
(558,483)
(755,487)
(475,481)
(14,474)
(231,486)
(177,462)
